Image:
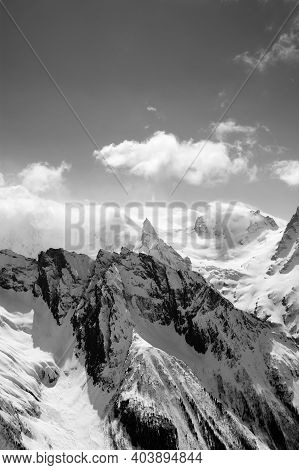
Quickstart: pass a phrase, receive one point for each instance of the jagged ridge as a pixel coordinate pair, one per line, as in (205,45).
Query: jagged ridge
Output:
(147,330)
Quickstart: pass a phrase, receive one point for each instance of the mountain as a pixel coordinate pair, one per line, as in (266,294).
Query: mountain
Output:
(262,278)
(136,350)
(152,245)
(31,225)
(249,227)
(287,251)
(289,238)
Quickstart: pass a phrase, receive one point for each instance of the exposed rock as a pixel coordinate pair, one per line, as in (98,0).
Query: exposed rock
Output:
(62,277)
(179,365)
(201,228)
(17,272)
(152,245)
(289,238)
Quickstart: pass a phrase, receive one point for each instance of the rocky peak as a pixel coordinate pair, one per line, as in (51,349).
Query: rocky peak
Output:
(152,245)
(271,222)
(260,222)
(186,333)
(200,227)
(294,222)
(149,236)
(289,238)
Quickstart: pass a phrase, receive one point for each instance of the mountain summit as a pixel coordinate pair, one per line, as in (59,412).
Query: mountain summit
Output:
(136,350)
(152,245)
(149,236)
(263,276)
(289,240)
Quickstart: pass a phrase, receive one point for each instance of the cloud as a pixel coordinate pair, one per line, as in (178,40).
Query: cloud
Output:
(285,50)
(31,223)
(163,156)
(2,180)
(152,108)
(287,171)
(274,149)
(41,178)
(226,128)
(28,222)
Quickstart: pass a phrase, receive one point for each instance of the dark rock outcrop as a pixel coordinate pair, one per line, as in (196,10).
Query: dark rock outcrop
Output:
(181,365)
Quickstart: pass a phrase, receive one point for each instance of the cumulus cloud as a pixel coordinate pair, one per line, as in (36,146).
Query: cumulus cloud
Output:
(287,171)
(164,156)
(229,127)
(41,177)
(285,49)
(29,223)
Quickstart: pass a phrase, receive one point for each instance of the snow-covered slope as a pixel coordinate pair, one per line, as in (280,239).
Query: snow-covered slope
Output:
(136,350)
(43,405)
(263,276)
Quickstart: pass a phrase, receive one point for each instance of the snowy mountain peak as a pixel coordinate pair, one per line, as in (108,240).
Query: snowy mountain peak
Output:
(262,221)
(149,236)
(258,225)
(152,245)
(148,228)
(289,239)
(119,337)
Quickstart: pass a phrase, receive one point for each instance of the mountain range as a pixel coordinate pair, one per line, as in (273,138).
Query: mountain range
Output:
(154,347)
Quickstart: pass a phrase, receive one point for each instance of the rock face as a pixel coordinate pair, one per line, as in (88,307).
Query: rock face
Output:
(17,272)
(286,255)
(174,364)
(289,238)
(152,245)
(201,228)
(62,277)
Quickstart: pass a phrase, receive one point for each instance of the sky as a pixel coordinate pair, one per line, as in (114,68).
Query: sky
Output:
(149,81)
